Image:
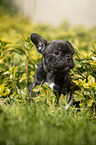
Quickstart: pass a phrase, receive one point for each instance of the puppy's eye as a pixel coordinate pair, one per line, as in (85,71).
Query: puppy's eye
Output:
(56,53)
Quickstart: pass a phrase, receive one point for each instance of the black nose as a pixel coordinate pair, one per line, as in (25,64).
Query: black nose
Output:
(68,57)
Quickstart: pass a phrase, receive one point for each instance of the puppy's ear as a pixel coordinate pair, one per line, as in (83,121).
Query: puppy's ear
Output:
(70,44)
(39,42)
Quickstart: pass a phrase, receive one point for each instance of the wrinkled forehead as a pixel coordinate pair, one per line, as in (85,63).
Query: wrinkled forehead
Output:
(59,45)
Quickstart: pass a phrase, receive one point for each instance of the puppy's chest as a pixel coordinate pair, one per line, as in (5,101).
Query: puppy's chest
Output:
(50,82)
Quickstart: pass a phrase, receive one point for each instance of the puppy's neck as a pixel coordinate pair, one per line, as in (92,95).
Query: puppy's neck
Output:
(46,68)
(50,76)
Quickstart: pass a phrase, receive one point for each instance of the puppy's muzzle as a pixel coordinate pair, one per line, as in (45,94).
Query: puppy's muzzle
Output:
(70,61)
(68,58)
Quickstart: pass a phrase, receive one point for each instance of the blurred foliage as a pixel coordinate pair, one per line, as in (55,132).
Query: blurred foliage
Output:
(33,124)
(19,60)
(8,6)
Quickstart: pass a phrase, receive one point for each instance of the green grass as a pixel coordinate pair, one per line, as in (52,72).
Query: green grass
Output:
(31,124)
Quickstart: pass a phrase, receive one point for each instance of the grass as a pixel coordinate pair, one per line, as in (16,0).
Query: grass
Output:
(33,124)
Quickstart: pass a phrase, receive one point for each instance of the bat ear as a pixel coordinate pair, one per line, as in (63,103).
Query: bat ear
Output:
(39,42)
(70,45)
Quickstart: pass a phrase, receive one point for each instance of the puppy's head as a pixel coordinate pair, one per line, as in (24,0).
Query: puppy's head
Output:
(57,54)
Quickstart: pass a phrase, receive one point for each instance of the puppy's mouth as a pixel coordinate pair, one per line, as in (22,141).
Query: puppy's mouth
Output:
(71,64)
(67,68)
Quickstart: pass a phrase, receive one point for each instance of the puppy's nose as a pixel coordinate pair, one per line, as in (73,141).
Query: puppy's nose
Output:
(68,58)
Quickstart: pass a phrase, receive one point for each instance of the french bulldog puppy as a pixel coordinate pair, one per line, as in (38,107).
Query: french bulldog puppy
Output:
(57,60)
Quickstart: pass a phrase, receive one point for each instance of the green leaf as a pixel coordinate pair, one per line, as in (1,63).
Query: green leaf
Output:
(77,52)
(86,85)
(90,102)
(82,82)
(2,89)
(87,93)
(78,96)
(91,81)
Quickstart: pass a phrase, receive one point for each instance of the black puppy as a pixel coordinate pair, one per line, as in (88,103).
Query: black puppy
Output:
(57,60)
